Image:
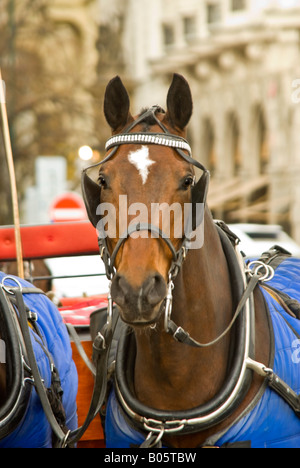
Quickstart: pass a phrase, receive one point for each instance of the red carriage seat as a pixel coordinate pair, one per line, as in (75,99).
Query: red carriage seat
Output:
(50,240)
(57,240)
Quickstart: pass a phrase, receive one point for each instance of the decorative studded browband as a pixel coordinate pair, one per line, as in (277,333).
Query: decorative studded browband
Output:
(149,138)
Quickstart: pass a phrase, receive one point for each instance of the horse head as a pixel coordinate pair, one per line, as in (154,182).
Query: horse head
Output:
(147,178)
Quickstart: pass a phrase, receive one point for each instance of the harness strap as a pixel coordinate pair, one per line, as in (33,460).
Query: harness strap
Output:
(290,305)
(101,349)
(285,391)
(183,337)
(277,384)
(58,430)
(19,378)
(274,257)
(73,334)
(50,399)
(142,227)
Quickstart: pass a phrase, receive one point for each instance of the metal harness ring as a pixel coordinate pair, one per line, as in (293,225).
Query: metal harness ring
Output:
(263,277)
(7,289)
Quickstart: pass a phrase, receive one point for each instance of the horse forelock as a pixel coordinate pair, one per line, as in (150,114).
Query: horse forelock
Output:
(149,121)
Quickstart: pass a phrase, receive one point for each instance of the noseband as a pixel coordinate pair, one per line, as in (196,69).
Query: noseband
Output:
(91,192)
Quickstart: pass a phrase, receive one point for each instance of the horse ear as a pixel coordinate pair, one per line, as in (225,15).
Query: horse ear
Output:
(179,102)
(116,104)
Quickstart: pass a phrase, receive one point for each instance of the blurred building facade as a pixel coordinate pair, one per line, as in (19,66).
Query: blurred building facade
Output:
(73,53)
(241,58)
(48,59)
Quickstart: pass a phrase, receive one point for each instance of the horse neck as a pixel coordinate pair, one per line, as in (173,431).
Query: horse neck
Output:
(202,305)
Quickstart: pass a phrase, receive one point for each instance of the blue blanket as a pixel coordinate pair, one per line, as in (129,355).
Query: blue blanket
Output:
(34,431)
(271,423)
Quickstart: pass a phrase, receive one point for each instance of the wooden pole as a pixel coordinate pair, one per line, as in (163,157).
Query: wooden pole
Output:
(12,177)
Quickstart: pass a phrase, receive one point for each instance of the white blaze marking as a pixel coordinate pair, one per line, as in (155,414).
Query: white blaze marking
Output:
(140,159)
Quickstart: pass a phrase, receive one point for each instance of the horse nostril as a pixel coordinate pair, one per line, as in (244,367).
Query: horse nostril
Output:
(151,293)
(120,289)
(154,289)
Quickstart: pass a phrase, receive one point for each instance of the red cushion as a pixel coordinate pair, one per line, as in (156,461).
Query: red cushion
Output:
(77,311)
(50,240)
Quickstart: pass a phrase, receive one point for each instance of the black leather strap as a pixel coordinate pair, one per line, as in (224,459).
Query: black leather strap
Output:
(13,409)
(182,336)
(101,349)
(142,227)
(285,391)
(59,432)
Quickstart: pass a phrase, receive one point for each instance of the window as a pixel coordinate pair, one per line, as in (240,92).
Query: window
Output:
(168,35)
(213,12)
(189,27)
(237,5)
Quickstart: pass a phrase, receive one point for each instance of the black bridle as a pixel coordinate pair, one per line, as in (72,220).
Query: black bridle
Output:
(92,194)
(92,191)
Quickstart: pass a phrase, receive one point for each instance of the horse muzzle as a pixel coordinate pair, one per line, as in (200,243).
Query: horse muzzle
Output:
(139,306)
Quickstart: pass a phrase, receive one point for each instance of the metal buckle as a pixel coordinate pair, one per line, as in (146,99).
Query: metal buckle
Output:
(99,342)
(177,332)
(169,427)
(109,306)
(157,439)
(168,306)
(32,316)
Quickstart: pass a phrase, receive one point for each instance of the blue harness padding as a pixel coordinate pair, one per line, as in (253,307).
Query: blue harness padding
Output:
(118,432)
(270,422)
(34,431)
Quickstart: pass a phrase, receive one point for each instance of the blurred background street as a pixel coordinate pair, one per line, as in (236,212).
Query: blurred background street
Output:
(240,57)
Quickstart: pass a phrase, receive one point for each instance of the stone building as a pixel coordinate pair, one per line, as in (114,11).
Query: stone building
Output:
(241,58)
(48,59)
(73,53)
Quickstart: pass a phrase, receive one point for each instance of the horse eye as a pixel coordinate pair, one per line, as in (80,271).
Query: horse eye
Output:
(188,181)
(102,182)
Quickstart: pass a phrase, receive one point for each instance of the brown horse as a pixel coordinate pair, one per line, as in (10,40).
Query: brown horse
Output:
(34,268)
(169,376)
